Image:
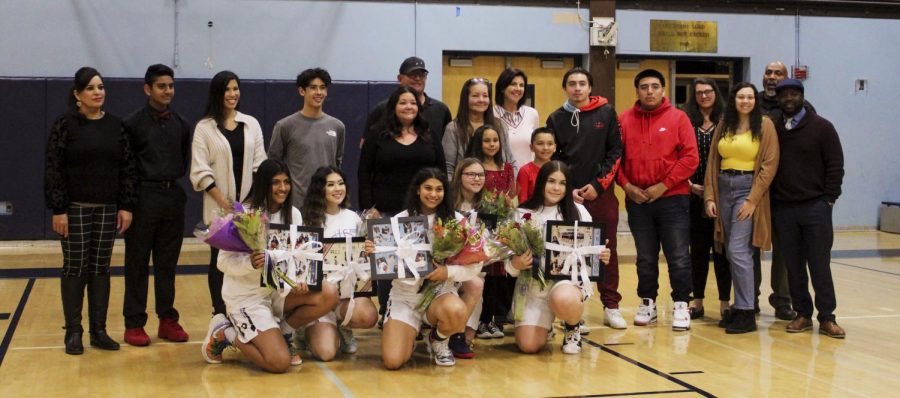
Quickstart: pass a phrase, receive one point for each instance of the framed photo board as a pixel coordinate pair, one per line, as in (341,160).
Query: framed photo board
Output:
(564,233)
(384,265)
(335,252)
(288,237)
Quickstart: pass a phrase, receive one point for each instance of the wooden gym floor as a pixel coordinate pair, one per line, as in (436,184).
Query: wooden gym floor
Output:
(634,362)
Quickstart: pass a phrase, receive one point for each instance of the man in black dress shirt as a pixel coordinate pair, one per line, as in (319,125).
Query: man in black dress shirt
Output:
(160,140)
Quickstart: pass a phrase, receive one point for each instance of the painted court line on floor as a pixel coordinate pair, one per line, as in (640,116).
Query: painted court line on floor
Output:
(11,329)
(335,379)
(778,365)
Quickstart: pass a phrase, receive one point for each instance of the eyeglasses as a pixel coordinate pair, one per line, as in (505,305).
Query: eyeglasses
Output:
(417,74)
(474,176)
(706,93)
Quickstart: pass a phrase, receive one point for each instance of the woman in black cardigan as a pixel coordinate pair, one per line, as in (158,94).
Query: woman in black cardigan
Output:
(89,184)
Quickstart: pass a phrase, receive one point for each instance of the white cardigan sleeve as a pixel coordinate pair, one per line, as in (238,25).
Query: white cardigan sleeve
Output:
(201,174)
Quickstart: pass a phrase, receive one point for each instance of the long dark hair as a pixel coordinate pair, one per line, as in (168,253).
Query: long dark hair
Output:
(313,209)
(262,187)
(215,102)
(463,126)
(456,189)
(413,205)
(693,109)
(732,117)
(567,205)
(476,147)
(82,78)
(504,80)
(392,125)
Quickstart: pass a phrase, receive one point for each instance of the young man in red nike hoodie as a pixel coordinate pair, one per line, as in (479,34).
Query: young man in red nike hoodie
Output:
(588,140)
(660,155)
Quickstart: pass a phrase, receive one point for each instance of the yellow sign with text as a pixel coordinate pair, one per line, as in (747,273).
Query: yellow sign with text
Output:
(684,36)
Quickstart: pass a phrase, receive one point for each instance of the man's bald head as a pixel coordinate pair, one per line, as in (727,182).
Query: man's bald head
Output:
(776,71)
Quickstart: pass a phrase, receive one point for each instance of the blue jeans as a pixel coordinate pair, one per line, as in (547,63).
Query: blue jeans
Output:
(733,192)
(664,222)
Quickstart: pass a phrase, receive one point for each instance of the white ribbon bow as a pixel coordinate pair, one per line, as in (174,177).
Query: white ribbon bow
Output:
(574,263)
(349,275)
(275,257)
(406,250)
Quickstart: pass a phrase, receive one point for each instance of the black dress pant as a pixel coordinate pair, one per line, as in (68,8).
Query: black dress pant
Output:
(803,235)
(157,231)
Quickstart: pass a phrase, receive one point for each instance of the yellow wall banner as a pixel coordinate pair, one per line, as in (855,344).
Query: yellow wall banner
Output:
(684,36)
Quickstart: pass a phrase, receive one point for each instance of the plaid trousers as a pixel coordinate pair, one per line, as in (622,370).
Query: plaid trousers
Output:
(92,232)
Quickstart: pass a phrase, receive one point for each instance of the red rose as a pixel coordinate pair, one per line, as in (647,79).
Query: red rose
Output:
(526,216)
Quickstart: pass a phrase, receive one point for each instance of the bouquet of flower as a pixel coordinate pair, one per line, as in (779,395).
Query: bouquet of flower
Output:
(456,244)
(514,238)
(498,203)
(241,231)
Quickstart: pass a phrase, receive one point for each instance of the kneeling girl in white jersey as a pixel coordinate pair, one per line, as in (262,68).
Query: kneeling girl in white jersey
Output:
(326,205)
(447,314)
(255,313)
(552,200)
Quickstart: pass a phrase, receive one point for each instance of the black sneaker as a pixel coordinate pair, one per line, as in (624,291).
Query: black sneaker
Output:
(460,347)
(743,321)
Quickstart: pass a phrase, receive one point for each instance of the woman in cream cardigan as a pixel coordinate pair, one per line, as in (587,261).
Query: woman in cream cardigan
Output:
(743,160)
(227,149)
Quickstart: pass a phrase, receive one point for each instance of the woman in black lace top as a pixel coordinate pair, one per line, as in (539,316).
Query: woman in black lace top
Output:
(705,109)
(89,184)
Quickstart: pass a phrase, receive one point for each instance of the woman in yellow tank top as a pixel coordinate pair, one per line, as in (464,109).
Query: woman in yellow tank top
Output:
(743,159)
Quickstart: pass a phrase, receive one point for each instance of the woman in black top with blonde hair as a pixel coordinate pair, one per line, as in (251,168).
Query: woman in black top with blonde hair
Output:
(89,184)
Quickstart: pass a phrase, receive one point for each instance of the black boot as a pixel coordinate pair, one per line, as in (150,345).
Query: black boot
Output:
(72,293)
(98,303)
(744,321)
(727,317)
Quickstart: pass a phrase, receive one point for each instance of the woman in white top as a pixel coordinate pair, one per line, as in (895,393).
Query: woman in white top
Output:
(552,200)
(326,205)
(518,119)
(447,313)
(227,149)
(256,314)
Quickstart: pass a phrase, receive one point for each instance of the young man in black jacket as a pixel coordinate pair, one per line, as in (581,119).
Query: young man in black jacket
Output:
(803,193)
(160,139)
(588,140)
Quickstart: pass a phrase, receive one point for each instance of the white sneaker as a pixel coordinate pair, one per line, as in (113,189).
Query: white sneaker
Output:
(614,319)
(440,351)
(646,313)
(681,316)
(215,341)
(572,342)
(348,342)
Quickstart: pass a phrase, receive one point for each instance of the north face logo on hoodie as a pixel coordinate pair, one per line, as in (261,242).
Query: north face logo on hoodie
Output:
(662,129)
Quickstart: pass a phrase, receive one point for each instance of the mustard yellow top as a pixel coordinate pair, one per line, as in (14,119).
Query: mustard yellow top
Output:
(738,151)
